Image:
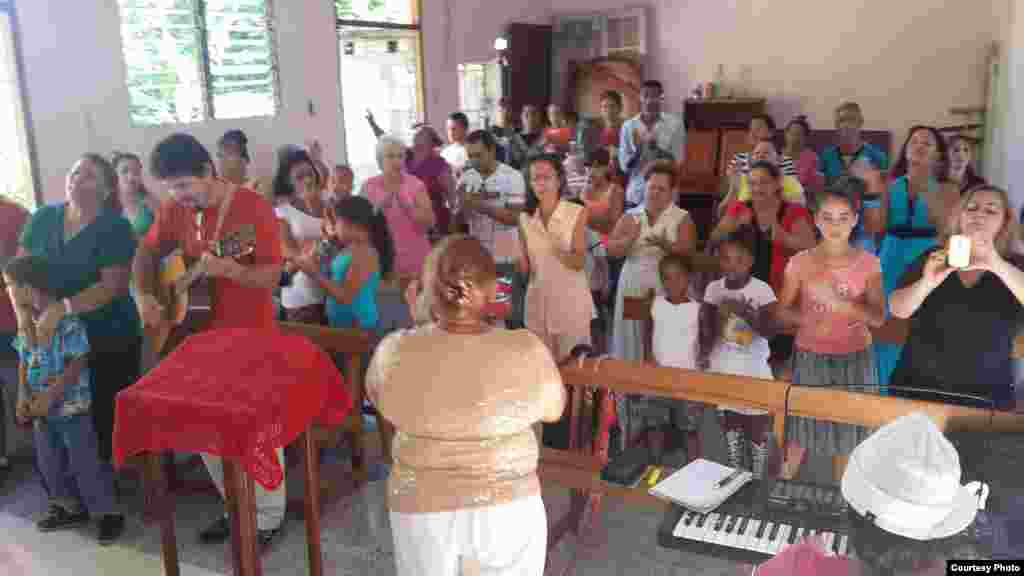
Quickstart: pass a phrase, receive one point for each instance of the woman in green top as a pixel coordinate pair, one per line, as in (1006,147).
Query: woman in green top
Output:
(137,205)
(90,249)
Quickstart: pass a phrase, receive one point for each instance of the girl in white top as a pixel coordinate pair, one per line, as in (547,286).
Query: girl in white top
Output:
(299,209)
(672,338)
(735,327)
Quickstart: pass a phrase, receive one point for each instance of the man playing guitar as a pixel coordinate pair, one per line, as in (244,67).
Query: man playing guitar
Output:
(206,211)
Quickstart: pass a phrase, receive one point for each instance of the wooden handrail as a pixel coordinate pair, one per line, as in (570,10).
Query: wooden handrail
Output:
(894,331)
(821,403)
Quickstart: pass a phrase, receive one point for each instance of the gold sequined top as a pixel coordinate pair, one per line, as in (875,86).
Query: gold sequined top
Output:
(463,406)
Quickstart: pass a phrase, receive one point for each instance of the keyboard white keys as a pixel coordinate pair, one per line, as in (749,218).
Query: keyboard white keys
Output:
(750,539)
(842,545)
(687,526)
(827,540)
(778,544)
(691,531)
(716,526)
(765,540)
(681,529)
(729,538)
(792,538)
(743,534)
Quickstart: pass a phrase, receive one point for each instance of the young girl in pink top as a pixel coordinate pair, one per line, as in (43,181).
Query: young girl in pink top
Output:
(833,293)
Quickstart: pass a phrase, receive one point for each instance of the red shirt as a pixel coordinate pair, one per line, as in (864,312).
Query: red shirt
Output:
(791,215)
(233,305)
(13,217)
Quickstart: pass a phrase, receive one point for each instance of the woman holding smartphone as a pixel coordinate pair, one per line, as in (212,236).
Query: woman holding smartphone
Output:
(963,322)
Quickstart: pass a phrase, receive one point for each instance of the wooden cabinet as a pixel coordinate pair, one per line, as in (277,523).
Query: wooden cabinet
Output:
(701,147)
(716,129)
(733,140)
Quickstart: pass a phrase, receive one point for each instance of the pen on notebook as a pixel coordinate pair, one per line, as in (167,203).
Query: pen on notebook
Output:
(724,481)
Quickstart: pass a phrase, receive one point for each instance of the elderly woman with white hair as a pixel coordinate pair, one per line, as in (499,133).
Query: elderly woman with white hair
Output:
(407,208)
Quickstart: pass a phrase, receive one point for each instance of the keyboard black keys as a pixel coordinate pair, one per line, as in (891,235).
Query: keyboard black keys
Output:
(759,521)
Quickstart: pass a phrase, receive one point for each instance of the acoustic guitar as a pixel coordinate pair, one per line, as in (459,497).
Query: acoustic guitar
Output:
(179,284)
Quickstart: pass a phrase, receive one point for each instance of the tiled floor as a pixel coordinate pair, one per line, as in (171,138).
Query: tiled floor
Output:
(355,536)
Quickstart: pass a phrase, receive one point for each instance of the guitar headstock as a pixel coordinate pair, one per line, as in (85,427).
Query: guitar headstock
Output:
(239,242)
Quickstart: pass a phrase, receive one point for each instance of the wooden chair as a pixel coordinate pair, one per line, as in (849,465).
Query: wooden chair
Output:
(353,345)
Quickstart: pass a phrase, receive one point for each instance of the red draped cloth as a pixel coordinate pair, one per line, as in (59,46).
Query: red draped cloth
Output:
(237,393)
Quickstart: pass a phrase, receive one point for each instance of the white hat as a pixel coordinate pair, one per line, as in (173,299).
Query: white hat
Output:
(907,476)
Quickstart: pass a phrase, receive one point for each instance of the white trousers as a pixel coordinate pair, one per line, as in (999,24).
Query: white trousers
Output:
(504,540)
(270,504)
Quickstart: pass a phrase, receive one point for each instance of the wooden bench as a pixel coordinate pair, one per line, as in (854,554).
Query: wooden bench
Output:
(580,470)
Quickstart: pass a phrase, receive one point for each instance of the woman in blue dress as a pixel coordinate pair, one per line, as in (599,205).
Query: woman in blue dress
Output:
(914,210)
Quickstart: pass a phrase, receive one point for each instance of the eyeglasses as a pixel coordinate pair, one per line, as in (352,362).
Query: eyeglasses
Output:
(652,98)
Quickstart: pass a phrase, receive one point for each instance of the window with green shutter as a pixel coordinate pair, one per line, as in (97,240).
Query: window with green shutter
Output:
(193,60)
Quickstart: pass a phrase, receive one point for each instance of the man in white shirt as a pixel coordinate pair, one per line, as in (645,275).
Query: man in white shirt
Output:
(493,194)
(649,135)
(455,152)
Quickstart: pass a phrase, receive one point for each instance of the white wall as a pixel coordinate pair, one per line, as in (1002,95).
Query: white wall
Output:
(462,31)
(79,102)
(1013,133)
(912,65)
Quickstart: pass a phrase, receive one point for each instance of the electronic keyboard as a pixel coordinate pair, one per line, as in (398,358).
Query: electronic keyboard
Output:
(761,520)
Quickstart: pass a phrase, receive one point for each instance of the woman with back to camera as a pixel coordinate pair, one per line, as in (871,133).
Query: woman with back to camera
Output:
(464,481)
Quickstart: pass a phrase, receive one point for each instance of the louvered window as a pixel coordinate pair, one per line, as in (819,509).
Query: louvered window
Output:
(193,60)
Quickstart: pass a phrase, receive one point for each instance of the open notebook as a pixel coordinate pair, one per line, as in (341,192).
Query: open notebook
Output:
(701,485)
